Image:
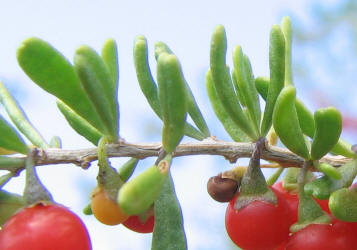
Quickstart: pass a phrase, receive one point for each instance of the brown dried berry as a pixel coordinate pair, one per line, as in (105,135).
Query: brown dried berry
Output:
(221,189)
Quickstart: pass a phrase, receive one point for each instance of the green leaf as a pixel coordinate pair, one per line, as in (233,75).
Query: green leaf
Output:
(161,47)
(10,139)
(262,86)
(195,112)
(128,168)
(10,203)
(87,210)
(328,170)
(143,73)
(286,123)
(192,132)
(239,92)
(306,119)
(19,118)
(343,204)
(110,57)
(193,109)
(275,176)
(328,124)
(322,187)
(286,29)
(79,124)
(139,193)
(223,83)
(6,178)
(277,74)
(148,85)
(50,70)
(168,230)
(343,148)
(98,84)
(246,85)
(55,142)
(229,125)
(290,178)
(173,100)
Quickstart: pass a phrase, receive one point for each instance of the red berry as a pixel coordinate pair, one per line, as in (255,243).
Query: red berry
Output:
(44,227)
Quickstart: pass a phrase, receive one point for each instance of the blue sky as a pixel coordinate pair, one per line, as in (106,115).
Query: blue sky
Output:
(186,26)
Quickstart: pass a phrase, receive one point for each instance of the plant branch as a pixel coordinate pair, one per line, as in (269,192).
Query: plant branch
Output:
(232,151)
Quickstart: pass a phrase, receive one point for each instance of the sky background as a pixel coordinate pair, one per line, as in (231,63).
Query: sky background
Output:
(186,26)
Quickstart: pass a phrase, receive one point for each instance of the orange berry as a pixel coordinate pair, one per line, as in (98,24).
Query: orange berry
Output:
(106,210)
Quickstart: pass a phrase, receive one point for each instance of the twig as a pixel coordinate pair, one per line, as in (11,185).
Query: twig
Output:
(232,151)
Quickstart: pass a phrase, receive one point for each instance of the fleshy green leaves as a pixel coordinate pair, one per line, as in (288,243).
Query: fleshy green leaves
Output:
(127,169)
(49,69)
(150,90)
(161,47)
(230,126)
(328,170)
(89,89)
(239,94)
(322,187)
(143,73)
(80,125)
(286,123)
(277,75)
(172,97)
(326,129)
(9,204)
(97,83)
(110,57)
(245,83)
(343,148)
(168,231)
(10,139)
(139,193)
(328,124)
(343,204)
(87,94)
(286,29)
(19,118)
(192,107)
(306,119)
(223,83)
